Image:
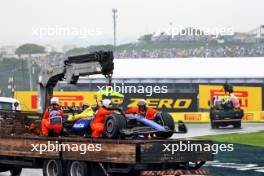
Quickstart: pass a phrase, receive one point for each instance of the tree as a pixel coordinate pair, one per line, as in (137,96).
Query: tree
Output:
(77,51)
(30,49)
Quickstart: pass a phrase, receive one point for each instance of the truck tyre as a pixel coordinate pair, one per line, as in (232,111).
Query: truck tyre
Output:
(77,168)
(52,167)
(113,126)
(3,168)
(237,125)
(165,119)
(15,171)
(96,170)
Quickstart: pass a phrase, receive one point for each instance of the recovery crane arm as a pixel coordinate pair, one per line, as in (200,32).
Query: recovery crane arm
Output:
(73,67)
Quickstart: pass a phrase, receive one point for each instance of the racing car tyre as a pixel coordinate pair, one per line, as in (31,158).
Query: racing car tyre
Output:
(113,126)
(165,119)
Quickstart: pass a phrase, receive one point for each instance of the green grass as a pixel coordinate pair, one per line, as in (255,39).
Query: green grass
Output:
(252,139)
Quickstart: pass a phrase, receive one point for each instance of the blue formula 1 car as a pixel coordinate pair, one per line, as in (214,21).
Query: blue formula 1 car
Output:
(80,127)
(133,125)
(121,126)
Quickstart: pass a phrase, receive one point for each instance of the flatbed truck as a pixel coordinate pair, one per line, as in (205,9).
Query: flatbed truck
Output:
(79,156)
(88,157)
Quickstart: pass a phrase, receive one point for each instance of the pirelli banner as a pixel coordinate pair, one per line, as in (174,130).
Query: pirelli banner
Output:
(203,117)
(29,100)
(249,97)
(182,106)
(170,102)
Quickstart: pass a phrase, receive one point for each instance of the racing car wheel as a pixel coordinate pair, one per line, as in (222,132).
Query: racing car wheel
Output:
(166,120)
(113,126)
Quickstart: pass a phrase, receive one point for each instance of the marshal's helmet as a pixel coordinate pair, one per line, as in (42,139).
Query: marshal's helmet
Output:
(142,106)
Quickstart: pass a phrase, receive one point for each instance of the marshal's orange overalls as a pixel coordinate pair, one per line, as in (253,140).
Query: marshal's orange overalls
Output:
(52,121)
(149,114)
(98,122)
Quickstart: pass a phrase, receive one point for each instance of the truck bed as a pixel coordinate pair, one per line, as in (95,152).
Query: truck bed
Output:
(112,151)
(20,148)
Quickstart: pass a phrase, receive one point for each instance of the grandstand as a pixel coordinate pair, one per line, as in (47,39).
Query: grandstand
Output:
(180,75)
(257,33)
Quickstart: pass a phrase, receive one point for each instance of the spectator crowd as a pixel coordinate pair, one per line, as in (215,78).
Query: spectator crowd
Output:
(225,51)
(202,52)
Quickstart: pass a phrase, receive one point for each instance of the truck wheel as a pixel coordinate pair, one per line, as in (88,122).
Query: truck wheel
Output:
(77,168)
(165,119)
(96,170)
(3,168)
(52,167)
(113,126)
(15,171)
(237,125)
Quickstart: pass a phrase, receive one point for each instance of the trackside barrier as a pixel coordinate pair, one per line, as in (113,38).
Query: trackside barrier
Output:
(29,102)
(250,97)
(203,117)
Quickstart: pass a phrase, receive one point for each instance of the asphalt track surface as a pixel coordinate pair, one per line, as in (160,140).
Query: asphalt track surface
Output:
(243,161)
(195,130)
(226,164)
